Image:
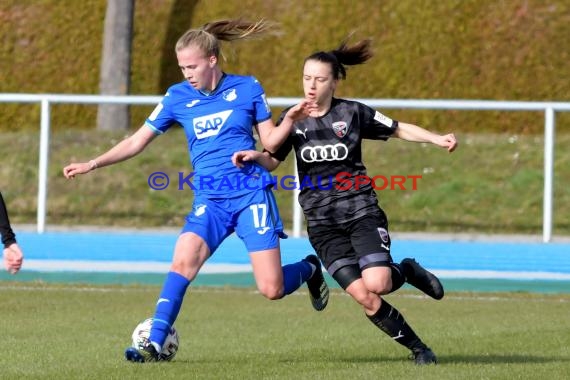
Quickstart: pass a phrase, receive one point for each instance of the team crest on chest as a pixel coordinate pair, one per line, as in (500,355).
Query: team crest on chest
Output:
(230,95)
(340,128)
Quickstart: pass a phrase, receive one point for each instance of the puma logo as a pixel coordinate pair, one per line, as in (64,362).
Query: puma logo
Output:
(300,132)
(400,335)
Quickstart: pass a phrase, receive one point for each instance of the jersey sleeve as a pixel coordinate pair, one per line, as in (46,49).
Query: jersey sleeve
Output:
(161,117)
(261,108)
(375,125)
(8,236)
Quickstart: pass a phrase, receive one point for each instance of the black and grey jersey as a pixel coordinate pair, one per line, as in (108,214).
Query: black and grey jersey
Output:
(8,236)
(329,158)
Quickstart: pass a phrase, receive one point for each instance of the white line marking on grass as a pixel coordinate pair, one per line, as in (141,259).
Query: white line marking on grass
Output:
(494,298)
(500,275)
(229,290)
(95,266)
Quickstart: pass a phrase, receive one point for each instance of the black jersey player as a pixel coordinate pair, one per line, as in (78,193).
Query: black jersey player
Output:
(346,226)
(13,256)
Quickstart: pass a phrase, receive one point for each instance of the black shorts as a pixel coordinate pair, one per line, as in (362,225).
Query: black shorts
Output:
(364,242)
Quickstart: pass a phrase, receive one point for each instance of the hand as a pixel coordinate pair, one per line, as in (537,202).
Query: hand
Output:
(13,258)
(71,170)
(239,158)
(302,110)
(447,141)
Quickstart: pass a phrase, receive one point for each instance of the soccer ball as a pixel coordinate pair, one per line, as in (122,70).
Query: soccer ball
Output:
(141,335)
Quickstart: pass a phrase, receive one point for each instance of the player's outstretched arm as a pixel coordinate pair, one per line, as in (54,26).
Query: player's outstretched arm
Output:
(129,147)
(273,137)
(411,132)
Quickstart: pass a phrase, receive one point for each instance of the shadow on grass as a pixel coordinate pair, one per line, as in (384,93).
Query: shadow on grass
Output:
(372,359)
(455,359)
(501,359)
(449,359)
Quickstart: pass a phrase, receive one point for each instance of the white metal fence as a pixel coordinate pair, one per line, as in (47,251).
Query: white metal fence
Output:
(549,109)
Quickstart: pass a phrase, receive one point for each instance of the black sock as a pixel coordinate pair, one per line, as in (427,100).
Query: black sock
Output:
(398,277)
(389,320)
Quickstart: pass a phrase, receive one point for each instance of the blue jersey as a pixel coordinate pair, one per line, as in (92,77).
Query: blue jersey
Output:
(217,125)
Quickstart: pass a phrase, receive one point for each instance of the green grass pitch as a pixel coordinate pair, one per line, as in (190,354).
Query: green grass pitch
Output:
(56,331)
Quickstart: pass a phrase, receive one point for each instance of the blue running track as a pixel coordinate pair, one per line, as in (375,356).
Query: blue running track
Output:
(144,257)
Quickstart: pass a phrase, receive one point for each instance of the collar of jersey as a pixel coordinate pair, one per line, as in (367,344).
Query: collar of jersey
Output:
(334,101)
(206,93)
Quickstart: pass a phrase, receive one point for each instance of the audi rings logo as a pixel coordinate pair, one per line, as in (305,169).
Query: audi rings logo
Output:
(320,153)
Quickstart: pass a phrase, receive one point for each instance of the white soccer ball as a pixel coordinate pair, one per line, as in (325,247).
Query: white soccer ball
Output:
(141,335)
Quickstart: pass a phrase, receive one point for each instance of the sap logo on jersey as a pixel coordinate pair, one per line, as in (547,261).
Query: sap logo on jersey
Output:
(210,125)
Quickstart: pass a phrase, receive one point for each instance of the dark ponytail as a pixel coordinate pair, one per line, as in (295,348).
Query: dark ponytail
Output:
(345,54)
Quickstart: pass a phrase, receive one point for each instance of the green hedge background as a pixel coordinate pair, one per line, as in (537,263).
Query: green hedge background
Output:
(449,49)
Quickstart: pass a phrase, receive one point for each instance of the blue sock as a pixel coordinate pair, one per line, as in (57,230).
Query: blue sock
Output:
(168,306)
(294,275)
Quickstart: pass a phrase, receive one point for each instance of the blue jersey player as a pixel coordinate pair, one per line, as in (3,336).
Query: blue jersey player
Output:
(218,112)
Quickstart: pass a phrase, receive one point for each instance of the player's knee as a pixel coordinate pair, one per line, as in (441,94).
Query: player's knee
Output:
(363,296)
(190,254)
(380,286)
(271,291)
(368,300)
(184,268)
(378,280)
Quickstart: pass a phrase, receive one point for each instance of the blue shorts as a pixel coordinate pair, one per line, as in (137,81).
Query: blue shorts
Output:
(254,217)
